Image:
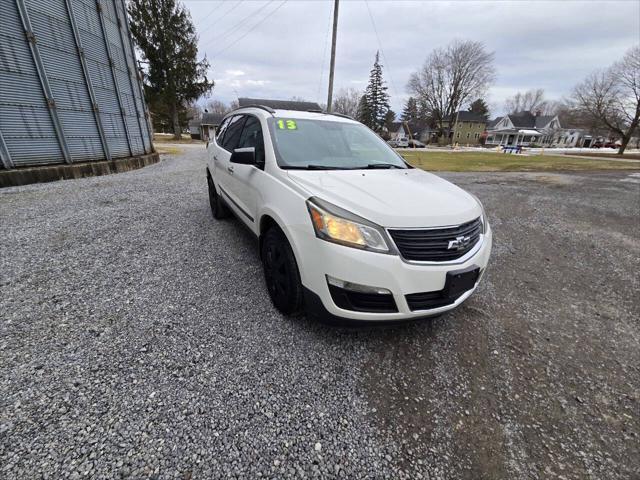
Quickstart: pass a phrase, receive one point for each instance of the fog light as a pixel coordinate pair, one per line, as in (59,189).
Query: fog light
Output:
(356,287)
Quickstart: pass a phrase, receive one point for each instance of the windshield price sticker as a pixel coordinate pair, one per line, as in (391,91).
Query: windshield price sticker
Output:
(287,125)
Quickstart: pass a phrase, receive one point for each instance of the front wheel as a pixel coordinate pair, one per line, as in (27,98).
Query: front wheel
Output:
(281,272)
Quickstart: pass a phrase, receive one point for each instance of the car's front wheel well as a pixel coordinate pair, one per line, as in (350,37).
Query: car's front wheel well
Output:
(266,223)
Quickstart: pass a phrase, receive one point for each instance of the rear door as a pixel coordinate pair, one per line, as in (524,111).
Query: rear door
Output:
(215,147)
(225,167)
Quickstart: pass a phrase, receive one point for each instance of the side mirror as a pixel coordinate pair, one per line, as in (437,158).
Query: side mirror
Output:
(244,156)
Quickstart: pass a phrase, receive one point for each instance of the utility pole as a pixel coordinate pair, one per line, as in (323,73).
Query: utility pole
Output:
(333,55)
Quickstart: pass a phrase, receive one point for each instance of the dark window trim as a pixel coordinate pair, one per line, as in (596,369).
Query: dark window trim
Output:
(225,133)
(215,138)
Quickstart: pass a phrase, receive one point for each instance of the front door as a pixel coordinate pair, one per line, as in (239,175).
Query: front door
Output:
(248,177)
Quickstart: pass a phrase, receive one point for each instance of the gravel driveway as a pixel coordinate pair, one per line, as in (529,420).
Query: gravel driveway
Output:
(137,339)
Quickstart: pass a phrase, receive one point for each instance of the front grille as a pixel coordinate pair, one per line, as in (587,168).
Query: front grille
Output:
(429,300)
(451,292)
(363,302)
(432,245)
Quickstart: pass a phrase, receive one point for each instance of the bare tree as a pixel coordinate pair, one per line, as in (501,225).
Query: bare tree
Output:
(217,106)
(193,111)
(530,101)
(571,115)
(612,96)
(346,102)
(450,78)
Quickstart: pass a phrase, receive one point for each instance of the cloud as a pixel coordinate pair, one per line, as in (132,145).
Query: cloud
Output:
(544,44)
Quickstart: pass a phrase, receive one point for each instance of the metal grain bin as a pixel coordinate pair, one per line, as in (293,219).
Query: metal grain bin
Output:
(69,86)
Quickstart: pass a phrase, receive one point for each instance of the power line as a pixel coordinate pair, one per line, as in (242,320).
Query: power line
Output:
(384,57)
(217,20)
(215,7)
(260,22)
(237,26)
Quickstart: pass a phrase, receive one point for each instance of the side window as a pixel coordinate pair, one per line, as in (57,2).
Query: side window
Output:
(232,135)
(252,137)
(221,130)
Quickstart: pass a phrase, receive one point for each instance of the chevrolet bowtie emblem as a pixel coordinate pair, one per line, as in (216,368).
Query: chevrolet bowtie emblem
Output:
(459,243)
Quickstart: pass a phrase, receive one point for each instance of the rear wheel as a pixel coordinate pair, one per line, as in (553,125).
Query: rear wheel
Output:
(218,208)
(281,272)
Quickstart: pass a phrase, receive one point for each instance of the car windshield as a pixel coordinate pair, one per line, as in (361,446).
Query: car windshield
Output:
(329,145)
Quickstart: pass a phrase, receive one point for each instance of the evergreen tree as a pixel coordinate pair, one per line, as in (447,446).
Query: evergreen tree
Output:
(364,112)
(410,113)
(164,32)
(480,107)
(389,118)
(376,97)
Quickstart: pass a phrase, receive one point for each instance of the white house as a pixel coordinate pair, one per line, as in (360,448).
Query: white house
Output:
(523,129)
(205,128)
(573,137)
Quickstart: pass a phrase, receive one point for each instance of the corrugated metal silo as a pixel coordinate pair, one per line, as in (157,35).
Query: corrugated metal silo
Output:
(69,86)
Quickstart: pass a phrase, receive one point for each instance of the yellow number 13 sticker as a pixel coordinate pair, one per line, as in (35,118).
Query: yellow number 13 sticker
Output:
(287,125)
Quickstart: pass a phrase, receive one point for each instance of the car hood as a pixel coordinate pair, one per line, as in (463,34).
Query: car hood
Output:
(392,198)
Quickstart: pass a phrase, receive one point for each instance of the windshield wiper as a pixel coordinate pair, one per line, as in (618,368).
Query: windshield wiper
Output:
(312,167)
(384,165)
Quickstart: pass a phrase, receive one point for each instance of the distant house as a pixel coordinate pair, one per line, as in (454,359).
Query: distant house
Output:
(399,130)
(524,129)
(205,127)
(210,122)
(467,128)
(194,128)
(573,137)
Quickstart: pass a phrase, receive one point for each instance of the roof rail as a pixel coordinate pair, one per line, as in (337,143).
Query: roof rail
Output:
(331,113)
(261,107)
(340,115)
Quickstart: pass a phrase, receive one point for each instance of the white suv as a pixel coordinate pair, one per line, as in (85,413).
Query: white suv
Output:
(347,229)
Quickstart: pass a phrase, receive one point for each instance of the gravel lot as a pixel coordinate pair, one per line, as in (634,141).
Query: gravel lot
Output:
(137,340)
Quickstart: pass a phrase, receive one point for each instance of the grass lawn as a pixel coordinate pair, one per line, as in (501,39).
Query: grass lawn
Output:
(444,161)
(168,138)
(627,156)
(168,149)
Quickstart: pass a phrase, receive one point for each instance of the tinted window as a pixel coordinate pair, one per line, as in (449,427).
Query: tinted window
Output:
(221,130)
(232,135)
(252,137)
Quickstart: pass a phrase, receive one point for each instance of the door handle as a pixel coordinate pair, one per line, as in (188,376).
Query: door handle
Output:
(230,170)
(215,159)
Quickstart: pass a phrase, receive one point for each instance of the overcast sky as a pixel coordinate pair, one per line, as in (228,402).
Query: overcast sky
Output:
(279,49)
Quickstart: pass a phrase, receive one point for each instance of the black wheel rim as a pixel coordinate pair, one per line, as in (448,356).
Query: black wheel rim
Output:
(277,274)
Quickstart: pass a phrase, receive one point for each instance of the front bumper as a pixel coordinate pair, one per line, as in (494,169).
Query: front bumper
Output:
(319,258)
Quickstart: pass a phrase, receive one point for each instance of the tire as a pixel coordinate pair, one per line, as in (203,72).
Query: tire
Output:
(281,272)
(218,208)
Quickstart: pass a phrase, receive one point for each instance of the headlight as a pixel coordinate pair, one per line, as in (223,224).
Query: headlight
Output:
(334,224)
(483,217)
